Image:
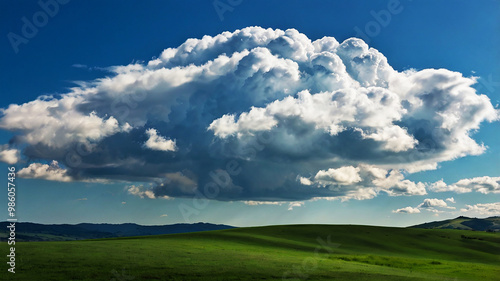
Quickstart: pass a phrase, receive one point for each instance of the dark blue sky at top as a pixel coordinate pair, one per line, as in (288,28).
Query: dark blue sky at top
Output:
(457,35)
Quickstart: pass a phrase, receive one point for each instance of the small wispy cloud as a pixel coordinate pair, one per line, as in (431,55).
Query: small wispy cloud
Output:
(78,65)
(292,205)
(407,210)
(429,204)
(256,203)
(89,68)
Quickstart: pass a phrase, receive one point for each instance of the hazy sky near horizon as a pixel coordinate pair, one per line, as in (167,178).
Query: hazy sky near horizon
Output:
(251,113)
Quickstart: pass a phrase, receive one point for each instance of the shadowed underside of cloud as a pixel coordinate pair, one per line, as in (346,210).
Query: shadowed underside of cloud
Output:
(259,114)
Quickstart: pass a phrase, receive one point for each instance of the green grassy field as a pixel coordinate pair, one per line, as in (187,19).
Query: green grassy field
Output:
(296,252)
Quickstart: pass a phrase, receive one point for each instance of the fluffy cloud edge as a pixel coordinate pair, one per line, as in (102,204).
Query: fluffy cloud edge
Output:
(364,182)
(407,210)
(485,185)
(157,142)
(433,205)
(489,209)
(9,155)
(52,172)
(143,192)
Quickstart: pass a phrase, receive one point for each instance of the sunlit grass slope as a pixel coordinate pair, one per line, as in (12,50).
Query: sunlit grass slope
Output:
(295,252)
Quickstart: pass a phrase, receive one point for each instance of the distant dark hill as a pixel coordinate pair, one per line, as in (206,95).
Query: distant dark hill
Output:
(26,231)
(465,223)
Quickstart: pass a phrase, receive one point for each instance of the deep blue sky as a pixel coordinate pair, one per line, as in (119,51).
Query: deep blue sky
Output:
(457,35)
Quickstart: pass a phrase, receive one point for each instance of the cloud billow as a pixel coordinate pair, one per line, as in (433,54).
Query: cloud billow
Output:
(303,119)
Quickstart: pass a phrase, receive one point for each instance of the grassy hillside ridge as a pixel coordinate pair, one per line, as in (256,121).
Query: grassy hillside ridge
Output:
(465,223)
(26,231)
(293,252)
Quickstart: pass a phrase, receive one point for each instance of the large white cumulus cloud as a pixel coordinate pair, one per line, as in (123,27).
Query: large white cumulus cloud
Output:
(302,118)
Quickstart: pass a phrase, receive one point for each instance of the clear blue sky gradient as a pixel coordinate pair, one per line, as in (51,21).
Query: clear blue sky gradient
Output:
(458,35)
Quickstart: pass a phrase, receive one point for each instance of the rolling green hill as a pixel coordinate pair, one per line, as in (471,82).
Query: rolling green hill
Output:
(293,252)
(466,223)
